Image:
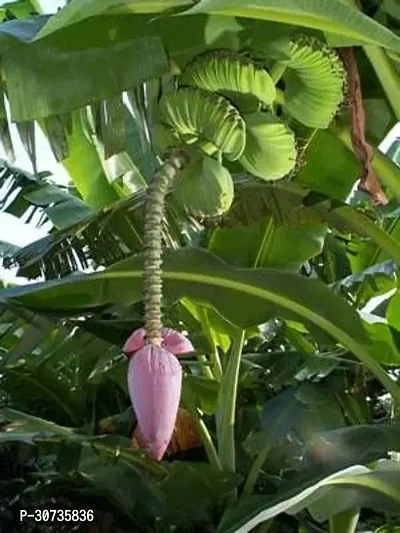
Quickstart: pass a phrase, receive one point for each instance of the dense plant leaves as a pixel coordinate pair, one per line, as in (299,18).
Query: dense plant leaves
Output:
(23,194)
(288,367)
(365,254)
(140,488)
(333,450)
(107,237)
(123,484)
(338,17)
(198,391)
(323,410)
(296,414)
(84,166)
(23,31)
(217,332)
(43,389)
(292,203)
(245,297)
(194,266)
(393,311)
(255,510)
(101,239)
(183,37)
(268,244)
(42,85)
(45,366)
(77,11)
(374,281)
(385,169)
(378,490)
(82,462)
(192,492)
(335,264)
(386,343)
(20,8)
(344,521)
(379,118)
(5,134)
(388,528)
(336,179)
(277,420)
(19,423)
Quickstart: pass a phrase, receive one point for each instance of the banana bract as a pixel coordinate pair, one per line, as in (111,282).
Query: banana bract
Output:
(204,188)
(270,151)
(205,117)
(154,382)
(236,77)
(315,83)
(172,340)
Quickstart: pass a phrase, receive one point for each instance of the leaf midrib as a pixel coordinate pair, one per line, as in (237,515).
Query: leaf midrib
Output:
(340,335)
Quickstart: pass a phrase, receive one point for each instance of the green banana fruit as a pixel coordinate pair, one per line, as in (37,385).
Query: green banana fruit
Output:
(204,117)
(234,76)
(270,151)
(315,81)
(204,188)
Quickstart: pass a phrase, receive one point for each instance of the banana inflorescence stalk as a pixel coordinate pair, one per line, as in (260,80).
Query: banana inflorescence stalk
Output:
(154,212)
(154,372)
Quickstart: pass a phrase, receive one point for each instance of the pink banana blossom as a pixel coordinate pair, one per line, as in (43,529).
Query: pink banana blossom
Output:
(155,381)
(173,341)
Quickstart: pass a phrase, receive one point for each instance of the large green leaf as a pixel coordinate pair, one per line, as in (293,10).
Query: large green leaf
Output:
(386,170)
(343,447)
(335,179)
(79,10)
(365,254)
(252,511)
(277,246)
(333,17)
(292,203)
(393,311)
(279,417)
(37,74)
(84,167)
(200,392)
(379,490)
(385,342)
(19,8)
(25,195)
(246,297)
(22,425)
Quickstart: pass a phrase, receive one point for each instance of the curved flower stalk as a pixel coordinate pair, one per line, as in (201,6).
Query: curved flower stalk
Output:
(154,373)
(154,212)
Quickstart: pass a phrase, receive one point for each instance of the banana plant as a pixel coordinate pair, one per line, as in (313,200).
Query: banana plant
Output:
(229,103)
